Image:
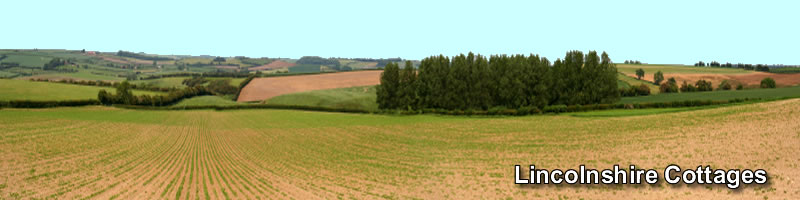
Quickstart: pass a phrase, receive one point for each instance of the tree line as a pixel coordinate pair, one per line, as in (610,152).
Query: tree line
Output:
(124,95)
(475,82)
(757,67)
(141,56)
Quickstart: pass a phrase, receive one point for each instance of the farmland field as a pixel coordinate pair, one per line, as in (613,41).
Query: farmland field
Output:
(265,88)
(72,153)
(205,101)
(43,91)
(788,92)
(360,98)
(691,74)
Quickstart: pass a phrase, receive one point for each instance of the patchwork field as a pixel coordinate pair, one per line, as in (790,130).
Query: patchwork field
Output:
(107,153)
(264,88)
(692,74)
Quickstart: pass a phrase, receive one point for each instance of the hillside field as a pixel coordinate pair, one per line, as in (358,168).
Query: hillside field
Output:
(69,153)
(361,98)
(43,91)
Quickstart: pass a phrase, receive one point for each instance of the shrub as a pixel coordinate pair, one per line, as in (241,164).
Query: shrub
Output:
(685,87)
(642,90)
(703,85)
(768,83)
(739,86)
(668,87)
(725,85)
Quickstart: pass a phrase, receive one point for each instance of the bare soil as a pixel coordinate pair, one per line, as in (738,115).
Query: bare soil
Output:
(265,88)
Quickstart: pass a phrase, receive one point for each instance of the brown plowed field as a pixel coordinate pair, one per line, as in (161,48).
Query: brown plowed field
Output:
(273,65)
(265,88)
(751,79)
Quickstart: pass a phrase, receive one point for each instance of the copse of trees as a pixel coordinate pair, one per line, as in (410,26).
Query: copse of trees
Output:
(475,82)
(632,91)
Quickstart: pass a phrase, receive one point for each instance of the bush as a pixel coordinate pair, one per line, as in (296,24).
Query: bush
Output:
(768,83)
(642,90)
(703,85)
(739,86)
(668,87)
(725,85)
(685,87)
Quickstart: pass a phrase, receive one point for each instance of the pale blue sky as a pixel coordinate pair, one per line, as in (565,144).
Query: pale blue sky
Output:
(653,32)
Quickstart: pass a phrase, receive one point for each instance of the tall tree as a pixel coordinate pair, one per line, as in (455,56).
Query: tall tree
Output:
(407,94)
(387,90)
(658,77)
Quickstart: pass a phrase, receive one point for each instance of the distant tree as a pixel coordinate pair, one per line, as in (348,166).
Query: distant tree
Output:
(669,87)
(218,59)
(658,77)
(639,73)
(703,85)
(724,85)
(685,87)
(768,83)
(83,50)
(739,86)
(124,94)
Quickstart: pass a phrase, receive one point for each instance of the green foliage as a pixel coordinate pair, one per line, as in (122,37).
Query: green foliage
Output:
(388,89)
(685,87)
(221,87)
(725,85)
(739,86)
(639,73)
(703,85)
(194,81)
(658,77)
(316,60)
(768,83)
(669,86)
(472,82)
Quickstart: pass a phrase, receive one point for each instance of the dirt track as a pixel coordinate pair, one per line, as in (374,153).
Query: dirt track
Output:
(265,88)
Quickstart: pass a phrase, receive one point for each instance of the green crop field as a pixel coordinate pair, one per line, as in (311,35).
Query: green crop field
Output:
(71,153)
(304,69)
(362,98)
(43,91)
(27,60)
(788,92)
(678,69)
(206,101)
